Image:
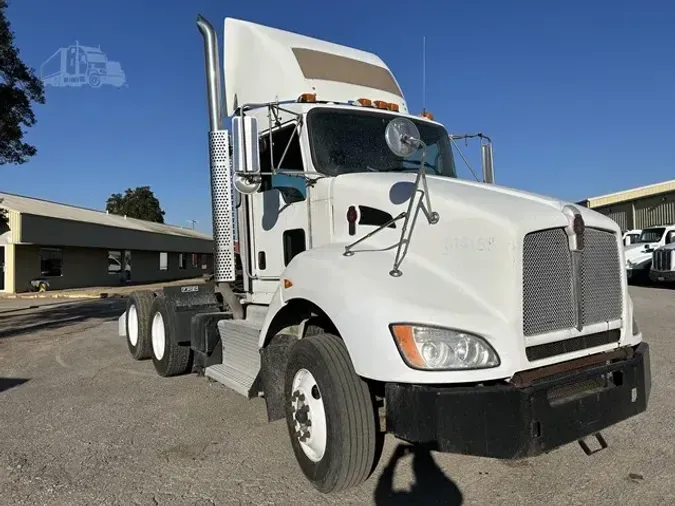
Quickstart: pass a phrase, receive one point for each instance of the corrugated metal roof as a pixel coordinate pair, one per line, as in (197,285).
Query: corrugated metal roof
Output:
(635,193)
(27,205)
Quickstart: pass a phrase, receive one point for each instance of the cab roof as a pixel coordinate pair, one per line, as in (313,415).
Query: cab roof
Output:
(264,64)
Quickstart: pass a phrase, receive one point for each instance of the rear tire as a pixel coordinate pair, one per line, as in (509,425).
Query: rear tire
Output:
(138,324)
(339,447)
(168,357)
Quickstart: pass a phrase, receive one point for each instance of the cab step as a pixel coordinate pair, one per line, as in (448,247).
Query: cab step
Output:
(241,358)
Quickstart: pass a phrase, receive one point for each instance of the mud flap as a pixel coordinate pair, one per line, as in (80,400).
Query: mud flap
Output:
(187,301)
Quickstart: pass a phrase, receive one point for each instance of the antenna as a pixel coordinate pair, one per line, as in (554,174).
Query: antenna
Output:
(424,74)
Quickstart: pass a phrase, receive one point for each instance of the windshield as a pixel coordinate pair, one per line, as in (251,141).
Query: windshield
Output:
(347,141)
(651,235)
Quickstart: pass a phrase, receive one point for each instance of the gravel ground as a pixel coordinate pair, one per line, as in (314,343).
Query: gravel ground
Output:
(82,423)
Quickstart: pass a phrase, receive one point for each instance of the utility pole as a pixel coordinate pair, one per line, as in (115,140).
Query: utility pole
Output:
(193,223)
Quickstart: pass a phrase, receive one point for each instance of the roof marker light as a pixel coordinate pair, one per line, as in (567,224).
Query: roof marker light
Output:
(307,98)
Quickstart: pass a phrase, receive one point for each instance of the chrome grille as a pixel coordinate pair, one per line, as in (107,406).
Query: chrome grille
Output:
(547,282)
(548,293)
(601,295)
(663,260)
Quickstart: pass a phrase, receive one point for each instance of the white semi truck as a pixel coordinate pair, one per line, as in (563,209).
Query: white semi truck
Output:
(662,268)
(639,254)
(378,293)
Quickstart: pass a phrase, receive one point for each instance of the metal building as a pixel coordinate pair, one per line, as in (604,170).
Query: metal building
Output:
(64,246)
(638,208)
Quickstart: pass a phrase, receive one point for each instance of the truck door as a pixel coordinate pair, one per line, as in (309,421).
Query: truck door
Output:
(279,210)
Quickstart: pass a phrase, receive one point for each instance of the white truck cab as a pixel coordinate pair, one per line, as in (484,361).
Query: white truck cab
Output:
(373,291)
(639,254)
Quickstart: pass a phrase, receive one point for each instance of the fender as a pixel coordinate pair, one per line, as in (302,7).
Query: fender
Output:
(633,335)
(187,301)
(362,300)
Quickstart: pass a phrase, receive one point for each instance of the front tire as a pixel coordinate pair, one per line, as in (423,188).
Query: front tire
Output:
(331,415)
(168,357)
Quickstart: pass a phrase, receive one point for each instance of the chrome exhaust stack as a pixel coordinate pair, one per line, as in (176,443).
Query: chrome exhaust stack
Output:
(213,85)
(222,208)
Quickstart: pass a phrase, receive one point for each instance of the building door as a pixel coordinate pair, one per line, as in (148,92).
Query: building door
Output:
(2,268)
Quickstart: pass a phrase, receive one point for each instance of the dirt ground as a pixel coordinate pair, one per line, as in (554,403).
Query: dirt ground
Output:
(83,423)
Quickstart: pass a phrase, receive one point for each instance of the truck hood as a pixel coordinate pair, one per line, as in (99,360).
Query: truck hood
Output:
(635,253)
(476,246)
(464,206)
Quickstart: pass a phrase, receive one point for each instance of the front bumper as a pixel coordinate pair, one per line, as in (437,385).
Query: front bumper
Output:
(509,422)
(662,275)
(638,272)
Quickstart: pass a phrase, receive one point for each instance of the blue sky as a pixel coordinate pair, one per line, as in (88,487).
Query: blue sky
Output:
(578,96)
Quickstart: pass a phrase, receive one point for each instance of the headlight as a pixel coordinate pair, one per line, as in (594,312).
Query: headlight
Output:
(442,349)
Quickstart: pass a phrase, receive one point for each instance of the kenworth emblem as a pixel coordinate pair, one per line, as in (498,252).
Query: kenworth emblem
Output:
(575,231)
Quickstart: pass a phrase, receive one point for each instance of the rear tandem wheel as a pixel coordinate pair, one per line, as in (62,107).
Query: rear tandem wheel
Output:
(168,357)
(138,324)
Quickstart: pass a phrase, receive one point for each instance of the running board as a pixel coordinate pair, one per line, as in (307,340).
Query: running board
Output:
(241,358)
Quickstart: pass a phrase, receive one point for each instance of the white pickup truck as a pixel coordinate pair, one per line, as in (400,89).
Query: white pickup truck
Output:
(639,254)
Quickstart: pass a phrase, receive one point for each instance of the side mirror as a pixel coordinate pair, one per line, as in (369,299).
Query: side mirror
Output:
(246,153)
(402,137)
(488,163)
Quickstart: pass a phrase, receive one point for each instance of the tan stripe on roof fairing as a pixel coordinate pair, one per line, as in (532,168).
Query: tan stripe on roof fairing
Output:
(332,67)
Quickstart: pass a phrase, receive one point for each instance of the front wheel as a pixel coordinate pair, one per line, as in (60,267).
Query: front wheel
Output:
(331,415)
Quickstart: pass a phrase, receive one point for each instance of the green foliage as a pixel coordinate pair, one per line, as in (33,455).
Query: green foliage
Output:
(138,203)
(19,86)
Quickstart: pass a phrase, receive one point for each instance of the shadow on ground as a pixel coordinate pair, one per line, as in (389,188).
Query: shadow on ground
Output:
(62,315)
(7,383)
(431,485)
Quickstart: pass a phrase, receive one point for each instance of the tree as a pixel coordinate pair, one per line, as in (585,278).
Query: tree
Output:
(138,203)
(19,86)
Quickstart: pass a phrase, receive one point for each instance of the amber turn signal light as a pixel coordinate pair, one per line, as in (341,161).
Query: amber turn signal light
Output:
(307,97)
